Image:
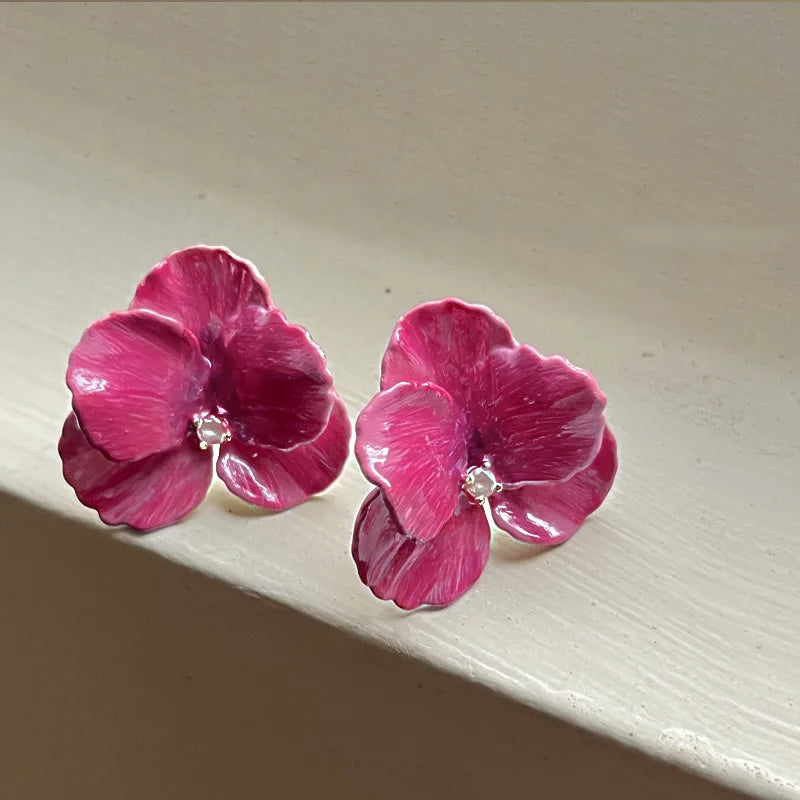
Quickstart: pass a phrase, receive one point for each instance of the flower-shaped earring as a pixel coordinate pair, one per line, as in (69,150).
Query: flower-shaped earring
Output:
(201,359)
(468,419)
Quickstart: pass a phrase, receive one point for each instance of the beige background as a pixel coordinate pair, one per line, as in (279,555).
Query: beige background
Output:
(619,182)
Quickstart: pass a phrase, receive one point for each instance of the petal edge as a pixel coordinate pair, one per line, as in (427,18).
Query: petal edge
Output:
(136,380)
(280,387)
(151,493)
(412,573)
(550,513)
(443,342)
(410,443)
(281,479)
(206,289)
(539,418)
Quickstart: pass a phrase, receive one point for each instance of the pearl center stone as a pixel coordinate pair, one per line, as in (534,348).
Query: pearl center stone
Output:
(211,430)
(480,483)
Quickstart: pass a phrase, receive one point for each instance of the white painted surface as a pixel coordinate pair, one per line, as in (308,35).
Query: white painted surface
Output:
(621,183)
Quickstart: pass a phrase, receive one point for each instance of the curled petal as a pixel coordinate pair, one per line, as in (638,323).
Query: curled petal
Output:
(146,494)
(136,380)
(538,419)
(280,479)
(204,288)
(549,513)
(410,442)
(414,573)
(279,388)
(443,342)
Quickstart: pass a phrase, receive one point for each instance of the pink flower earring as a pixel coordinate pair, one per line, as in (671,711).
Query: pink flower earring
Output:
(467,420)
(201,359)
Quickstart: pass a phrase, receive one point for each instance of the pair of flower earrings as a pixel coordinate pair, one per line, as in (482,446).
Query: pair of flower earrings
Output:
(467,421)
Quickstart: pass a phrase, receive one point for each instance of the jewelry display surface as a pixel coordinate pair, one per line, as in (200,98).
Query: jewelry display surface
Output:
(619,182)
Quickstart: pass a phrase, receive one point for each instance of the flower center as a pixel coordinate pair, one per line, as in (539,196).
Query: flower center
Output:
(210,430)
(480,483)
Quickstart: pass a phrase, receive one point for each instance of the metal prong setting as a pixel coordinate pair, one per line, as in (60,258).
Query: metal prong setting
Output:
(211,429)
(480,483)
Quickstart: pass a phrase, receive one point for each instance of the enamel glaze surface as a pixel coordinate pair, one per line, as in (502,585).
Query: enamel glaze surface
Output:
(280,479)
(444,342)
(620,181)
(278,390)
(205,289)
(136,379)
(147,493)
(537,419)
(412,572)
(410,441)
(548,513)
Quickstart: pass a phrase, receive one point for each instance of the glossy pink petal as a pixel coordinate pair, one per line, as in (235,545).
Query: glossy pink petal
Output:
(443,342)
(280,479)
(550,513)
(537,419)
(413,573)
(155,491)
(204,288)
(410,442)
(136,380)
(280,390)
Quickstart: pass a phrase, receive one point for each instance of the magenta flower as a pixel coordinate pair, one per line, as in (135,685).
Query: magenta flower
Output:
(201,359)
(467,419)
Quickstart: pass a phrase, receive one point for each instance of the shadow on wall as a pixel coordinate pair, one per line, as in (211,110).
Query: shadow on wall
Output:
(126,676)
